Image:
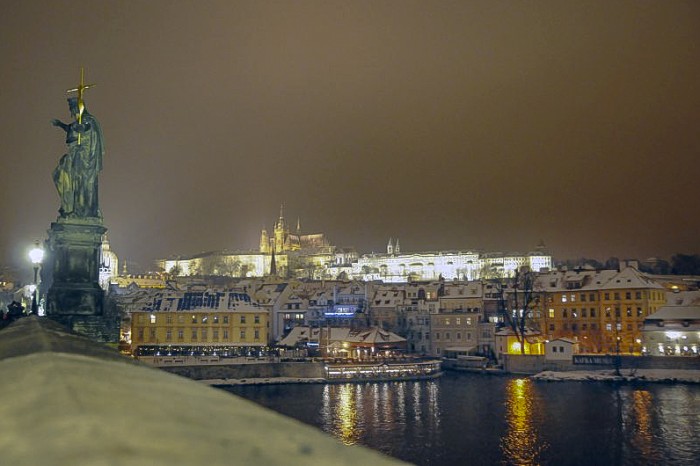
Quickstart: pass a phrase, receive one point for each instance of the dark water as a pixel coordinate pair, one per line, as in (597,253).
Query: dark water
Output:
(469,419)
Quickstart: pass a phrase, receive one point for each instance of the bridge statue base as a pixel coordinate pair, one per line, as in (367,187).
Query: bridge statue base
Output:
(75,298)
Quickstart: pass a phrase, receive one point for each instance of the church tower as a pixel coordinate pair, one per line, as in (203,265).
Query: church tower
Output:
(397,248)
(390,248)
(264,242)
(280,232)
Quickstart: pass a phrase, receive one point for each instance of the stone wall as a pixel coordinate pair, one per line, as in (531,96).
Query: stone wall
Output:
(249,371)
(532,364)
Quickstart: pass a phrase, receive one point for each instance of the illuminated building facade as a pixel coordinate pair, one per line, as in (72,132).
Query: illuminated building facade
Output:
(109,264)
(603,310)
(397,267)
(672,331)
(200,323)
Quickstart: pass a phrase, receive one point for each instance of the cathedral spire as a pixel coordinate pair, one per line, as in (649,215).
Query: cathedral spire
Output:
(390,247)
(298,226)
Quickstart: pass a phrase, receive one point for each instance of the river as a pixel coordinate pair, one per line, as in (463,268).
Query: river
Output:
(472,419)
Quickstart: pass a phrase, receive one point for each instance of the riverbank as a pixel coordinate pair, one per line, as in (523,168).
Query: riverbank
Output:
(627,376)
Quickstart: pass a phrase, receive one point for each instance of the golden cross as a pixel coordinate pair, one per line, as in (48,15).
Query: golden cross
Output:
(81,90)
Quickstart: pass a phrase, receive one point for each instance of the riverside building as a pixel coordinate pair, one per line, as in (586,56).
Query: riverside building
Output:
(216,323)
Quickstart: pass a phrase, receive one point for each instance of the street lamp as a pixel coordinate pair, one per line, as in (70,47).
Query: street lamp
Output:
(36,255)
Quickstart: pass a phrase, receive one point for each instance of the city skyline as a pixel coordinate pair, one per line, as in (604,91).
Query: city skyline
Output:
(452,126)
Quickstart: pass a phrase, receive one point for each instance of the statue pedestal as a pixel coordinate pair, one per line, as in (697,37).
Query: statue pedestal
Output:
(75,298)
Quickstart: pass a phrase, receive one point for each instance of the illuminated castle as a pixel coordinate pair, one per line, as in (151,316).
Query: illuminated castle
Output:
(282,241)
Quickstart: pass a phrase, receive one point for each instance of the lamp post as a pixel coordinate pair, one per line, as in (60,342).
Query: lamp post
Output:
(36,255)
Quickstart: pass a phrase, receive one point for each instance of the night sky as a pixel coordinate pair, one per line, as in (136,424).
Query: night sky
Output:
(450,125)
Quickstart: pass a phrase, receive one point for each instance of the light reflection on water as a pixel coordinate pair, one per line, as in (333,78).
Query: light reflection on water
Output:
(522,443)
(482,420)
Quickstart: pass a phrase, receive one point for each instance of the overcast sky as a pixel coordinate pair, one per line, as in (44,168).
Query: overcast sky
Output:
(450,125)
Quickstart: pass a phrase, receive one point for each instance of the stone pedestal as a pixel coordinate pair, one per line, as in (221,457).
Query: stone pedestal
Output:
(75,298)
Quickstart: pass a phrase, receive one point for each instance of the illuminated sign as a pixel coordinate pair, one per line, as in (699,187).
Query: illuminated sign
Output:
(342,310)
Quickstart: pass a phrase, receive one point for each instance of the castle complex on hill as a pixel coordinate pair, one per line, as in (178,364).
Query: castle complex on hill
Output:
(288,254)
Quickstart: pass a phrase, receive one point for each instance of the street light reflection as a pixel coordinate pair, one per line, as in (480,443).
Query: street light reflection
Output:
(522,443)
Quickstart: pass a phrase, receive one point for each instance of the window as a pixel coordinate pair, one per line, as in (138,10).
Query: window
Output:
(242,334)
(216,319)
(638,295)
(608,327)
(629,312)
(459,335)
(639,312)
(168,334)
(427,336)
(592,312)
(256,319)
(629,327)
(607,312)
(180,319)
(551,313)
(617,295)
(628,295)
(583,312)
(180,334)
(551,327)
(563,298)
(594,326)
(205,318)
(256,334)
(469,321)
(574,313)
(169,319)
(618,326)
(139,335)
(573,298)
(469,335)
(583,297)
(554,349)
(215,334)
(574,327)
(153,318)
(561,349)
(617,311)
(591,297)
(226,319)
(204,334)
(194,319)
(564,313)
(225,334)
(139,318)
(584,326)
(447,321)
(243,319)
(458,321)
(194,334)
(447,335)
(437,336)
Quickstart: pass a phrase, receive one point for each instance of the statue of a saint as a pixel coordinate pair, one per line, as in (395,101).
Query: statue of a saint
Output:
(76,174)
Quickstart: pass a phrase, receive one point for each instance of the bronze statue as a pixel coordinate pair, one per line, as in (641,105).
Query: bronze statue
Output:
(76,174)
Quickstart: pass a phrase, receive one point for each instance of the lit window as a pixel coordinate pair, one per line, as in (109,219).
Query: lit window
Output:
(563,298)
(608,327)
(551,313)
(153,318)
(194,319)
(205,318)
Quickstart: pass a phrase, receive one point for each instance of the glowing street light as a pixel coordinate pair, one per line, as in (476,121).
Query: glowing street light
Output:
(36,255)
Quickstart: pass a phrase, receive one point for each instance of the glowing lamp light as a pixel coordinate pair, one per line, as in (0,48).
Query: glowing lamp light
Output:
(36,255)
(515,346)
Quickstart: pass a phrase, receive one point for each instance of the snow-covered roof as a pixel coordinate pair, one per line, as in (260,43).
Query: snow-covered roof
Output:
(676,313)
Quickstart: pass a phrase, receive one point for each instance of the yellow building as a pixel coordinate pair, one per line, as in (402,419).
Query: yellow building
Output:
(599,309)
(200,323)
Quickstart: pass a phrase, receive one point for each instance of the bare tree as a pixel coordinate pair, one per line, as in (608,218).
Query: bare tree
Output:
(517,301)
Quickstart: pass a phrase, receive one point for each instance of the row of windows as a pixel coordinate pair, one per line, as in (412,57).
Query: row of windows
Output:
(195,334)
(456,320)
(468,336)
(204,319)
(584,313)
(593,327)
(592,296)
